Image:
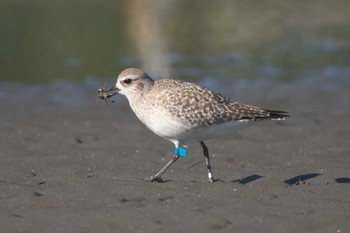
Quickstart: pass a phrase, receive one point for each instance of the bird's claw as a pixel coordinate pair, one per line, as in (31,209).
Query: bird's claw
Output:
(154,178)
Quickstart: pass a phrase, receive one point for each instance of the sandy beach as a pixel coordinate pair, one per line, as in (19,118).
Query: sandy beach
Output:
(71,164)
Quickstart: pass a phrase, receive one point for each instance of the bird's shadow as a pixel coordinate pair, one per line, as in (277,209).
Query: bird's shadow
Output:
(247,179)
(342,180)
(296,180)
(301,178)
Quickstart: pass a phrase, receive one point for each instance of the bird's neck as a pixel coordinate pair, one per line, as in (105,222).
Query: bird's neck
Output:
(140,94)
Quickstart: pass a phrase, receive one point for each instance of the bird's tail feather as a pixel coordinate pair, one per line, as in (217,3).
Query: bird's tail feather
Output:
(273,114)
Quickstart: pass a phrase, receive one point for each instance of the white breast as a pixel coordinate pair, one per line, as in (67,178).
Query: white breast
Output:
(161,122)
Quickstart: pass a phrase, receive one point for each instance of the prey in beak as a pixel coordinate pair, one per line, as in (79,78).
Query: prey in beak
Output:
(104,94)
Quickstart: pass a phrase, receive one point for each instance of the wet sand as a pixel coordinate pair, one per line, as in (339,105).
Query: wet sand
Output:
(69,164)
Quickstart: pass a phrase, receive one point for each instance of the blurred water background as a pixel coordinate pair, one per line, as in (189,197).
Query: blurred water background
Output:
(78,40)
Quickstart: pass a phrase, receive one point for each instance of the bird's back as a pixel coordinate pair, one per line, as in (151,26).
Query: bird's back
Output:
(200,106)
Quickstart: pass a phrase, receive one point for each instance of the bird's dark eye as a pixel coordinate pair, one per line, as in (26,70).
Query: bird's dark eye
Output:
(127,81)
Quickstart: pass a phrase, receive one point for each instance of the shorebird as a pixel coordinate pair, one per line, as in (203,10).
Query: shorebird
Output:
(184,112)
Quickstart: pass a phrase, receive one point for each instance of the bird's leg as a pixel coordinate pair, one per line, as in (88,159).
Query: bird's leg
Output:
(207,161)
(157,177)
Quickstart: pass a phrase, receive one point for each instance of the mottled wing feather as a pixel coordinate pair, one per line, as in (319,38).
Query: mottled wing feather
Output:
(200,106)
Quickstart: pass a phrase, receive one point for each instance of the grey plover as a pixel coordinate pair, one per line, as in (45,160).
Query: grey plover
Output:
(184,112)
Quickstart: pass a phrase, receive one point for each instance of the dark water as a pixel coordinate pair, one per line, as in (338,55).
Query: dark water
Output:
(76,40)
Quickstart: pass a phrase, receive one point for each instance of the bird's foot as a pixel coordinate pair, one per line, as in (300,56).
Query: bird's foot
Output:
(210,177)
(154,178)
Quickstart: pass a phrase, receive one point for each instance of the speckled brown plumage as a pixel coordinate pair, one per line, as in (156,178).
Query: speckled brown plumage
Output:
(202,107)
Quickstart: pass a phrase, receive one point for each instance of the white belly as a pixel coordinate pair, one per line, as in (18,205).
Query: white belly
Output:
(213,131)
(170,127)
(162,123)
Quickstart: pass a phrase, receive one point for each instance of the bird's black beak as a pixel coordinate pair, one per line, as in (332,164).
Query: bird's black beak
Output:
(113,91)
(105,94)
